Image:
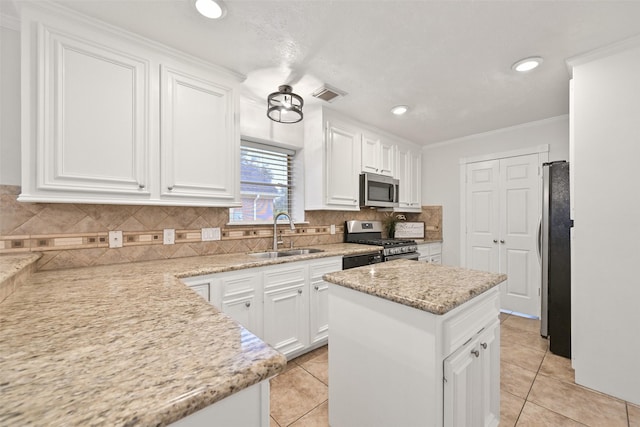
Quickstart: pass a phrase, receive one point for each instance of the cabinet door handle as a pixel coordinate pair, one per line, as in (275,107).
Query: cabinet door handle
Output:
(476,353)
(300,291)
(501,241)
(316,287)
(247,304)
(169,188)
(495,241)
(141,186)
(483,345)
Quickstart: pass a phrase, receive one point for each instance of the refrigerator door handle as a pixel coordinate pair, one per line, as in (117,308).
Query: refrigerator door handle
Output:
(540,240)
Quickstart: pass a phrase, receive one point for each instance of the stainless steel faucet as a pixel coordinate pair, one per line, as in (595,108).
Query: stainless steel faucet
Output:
(275,229)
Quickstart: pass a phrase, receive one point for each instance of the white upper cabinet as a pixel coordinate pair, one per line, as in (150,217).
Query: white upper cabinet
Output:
(92,97)
(378,156)
(198,138)
(86,111)
(332,162)
(409,174)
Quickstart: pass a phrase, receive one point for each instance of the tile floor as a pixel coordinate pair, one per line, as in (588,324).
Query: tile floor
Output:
(537,387)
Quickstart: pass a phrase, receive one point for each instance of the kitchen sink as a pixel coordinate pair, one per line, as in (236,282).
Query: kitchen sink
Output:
(280,254)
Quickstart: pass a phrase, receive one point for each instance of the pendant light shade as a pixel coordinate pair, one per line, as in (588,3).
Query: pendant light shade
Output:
(284,106)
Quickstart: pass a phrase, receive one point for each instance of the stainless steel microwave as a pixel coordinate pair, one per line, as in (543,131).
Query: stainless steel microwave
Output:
(378,191)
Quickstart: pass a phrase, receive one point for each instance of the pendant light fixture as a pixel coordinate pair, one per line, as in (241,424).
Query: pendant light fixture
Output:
(284,106)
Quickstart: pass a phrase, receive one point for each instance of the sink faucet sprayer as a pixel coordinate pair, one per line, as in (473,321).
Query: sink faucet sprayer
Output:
(275,229)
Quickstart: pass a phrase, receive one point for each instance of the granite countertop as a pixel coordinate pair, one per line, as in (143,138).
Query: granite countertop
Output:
(437,289)
(127,344)
(10,265)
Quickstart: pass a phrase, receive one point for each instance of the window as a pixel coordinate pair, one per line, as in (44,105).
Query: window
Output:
(266,185)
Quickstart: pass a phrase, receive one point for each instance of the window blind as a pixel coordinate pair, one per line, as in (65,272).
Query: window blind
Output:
(266,182)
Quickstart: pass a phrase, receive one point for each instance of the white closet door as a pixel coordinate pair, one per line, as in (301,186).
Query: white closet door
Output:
(520,214)
(482,202)
(502,214)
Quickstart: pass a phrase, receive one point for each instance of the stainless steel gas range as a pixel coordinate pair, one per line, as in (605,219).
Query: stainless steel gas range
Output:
(370,233)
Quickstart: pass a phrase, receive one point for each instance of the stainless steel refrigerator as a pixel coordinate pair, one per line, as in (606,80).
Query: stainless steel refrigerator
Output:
(555,251)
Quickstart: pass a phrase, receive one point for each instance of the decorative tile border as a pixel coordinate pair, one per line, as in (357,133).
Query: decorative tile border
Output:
(66,241)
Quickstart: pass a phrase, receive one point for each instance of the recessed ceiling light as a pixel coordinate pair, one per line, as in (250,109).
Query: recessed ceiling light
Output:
(212,9)
(399,110)
(527,64)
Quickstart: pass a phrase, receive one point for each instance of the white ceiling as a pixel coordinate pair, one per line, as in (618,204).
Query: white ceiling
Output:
(450,61)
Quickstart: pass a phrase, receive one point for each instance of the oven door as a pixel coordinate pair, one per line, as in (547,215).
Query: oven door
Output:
(352,261)
(413,256)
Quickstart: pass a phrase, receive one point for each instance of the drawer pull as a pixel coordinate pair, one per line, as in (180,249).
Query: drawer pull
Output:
(476,353)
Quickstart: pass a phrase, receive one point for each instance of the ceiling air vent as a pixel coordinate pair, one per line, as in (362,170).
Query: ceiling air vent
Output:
(328,93)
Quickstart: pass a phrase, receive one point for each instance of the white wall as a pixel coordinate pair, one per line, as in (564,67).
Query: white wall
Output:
(606,234)
(9,103)
(441,167)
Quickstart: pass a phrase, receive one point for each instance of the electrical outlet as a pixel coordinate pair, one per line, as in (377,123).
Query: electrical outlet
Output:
(333,229)
(209,234)
(169,237)
(115,239)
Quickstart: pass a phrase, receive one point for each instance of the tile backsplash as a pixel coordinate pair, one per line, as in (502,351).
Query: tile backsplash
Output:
(77,235)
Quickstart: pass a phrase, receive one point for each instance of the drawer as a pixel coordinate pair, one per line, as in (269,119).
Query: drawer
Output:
(202,289)
(284,276)
(435,248)
(319,269)
(470,319)
(239,284)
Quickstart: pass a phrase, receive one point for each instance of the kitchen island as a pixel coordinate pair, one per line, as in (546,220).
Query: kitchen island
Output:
(130,344)
(414,344)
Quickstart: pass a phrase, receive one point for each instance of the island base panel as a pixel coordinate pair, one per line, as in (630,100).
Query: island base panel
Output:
(381,363)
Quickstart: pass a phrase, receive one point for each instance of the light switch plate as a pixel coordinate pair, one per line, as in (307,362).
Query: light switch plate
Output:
(115,239)
(333,229)
(209,234)
(169,236)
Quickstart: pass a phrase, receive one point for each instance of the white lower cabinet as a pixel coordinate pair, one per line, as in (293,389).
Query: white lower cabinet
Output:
(319,300)
(430,252)
(240,299)
(471,391)
(286,309)
(286,305)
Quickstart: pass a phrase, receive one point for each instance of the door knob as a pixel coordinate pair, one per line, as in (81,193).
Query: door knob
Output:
(483,345)
(476,353)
